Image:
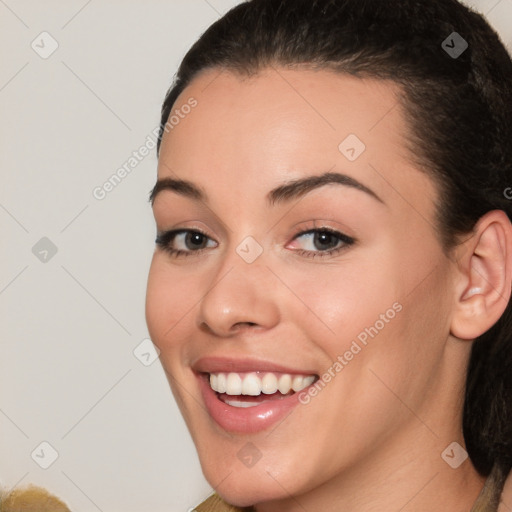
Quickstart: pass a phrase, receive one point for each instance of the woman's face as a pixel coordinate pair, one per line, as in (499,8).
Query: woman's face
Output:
(278,284)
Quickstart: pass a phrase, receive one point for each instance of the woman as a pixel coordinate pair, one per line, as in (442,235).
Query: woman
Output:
(330,290)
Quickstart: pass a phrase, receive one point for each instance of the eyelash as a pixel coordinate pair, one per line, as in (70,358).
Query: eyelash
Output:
(164,240)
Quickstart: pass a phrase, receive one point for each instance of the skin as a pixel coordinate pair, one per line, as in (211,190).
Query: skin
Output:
(372,438)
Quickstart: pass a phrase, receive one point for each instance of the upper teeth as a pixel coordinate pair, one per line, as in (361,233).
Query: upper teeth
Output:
(256,383)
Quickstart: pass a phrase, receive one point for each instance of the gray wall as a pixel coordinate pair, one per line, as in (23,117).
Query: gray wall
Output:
(72,321)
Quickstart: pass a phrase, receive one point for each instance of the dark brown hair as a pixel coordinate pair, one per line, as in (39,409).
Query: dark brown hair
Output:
(459,108)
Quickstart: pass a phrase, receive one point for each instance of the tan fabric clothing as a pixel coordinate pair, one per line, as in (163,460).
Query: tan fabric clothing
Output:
(31,499)
(216,504)
(496,496)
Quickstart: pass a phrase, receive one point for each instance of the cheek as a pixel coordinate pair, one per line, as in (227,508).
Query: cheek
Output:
(168,301)
(343,302)
(403,326)
(388,314)
(424,325)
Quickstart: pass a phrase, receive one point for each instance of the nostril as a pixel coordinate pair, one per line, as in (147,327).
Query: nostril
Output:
(244,324)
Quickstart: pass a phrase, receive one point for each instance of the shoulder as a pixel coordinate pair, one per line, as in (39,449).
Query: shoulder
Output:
(506,495)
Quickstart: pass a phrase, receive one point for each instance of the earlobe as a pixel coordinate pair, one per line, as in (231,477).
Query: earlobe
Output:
(485,277)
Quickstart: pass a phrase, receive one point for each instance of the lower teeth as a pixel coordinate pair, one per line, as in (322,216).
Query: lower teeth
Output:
(252,402)
(236,403)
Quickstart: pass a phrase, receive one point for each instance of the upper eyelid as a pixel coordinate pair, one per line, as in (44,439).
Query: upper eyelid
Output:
(300,232)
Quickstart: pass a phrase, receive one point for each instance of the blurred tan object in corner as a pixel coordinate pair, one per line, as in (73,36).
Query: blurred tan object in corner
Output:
(31,499)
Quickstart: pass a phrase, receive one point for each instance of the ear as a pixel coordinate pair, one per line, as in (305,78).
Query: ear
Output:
(485,277)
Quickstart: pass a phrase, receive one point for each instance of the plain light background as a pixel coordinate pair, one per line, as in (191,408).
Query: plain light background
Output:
(74,366)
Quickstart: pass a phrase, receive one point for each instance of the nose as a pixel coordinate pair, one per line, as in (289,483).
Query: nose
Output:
(239,297)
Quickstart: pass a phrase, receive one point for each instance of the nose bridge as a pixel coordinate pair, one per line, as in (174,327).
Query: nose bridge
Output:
(239,291)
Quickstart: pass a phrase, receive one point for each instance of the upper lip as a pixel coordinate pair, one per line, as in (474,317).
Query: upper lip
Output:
(228,365)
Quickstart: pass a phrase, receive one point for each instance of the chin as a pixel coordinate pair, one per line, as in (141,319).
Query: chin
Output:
(241,486)
(249,490)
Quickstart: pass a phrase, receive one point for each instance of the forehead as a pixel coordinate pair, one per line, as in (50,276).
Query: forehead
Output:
(248,134)
(286,107)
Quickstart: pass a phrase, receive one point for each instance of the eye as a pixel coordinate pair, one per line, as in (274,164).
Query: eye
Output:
(190,239)
(186,242)
(324,242)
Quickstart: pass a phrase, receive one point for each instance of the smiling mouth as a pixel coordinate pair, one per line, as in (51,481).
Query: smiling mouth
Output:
(251,389)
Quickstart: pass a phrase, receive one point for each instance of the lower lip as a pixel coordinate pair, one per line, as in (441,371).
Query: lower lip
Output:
(245,420)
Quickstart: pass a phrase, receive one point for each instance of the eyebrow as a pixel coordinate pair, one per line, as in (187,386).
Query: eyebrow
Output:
(281,194)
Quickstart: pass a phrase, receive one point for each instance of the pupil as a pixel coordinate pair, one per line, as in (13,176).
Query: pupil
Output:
(195,238)
(322,236)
